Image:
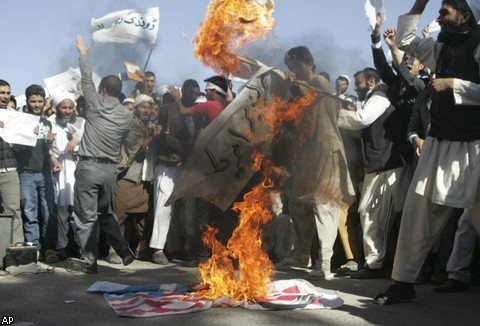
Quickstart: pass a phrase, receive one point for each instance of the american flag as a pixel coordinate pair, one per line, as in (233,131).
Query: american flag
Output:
(171,299)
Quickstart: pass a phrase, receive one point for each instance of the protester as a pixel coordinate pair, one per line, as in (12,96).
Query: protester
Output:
(12,103)
(107,122)
(447,173)
(133,192)
(172,145)
(146,87)
(35,165)
(319,164)
(9,183)
(349,219)
(68,130)
(382,140)
(341,87)
(458,265)
(218,95)
(128,103)
(184,234)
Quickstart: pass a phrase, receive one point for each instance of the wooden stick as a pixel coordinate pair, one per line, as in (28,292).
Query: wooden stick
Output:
(298,82)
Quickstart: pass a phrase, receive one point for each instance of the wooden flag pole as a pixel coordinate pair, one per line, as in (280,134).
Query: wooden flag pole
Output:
(148,59)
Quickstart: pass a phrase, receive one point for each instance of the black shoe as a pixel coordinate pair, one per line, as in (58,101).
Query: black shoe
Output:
(367,273)
(127,255)
(62,254)
(90,269)
(396,293)
(144,255)
(452,286)
(439,277)
(191,263)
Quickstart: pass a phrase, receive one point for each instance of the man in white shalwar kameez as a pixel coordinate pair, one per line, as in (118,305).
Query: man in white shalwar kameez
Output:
(448,170)
(68,129)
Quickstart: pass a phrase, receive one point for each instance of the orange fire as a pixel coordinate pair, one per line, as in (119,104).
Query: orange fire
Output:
(244,247)
(228,25)
(278,112)
(218,274)
(241,270)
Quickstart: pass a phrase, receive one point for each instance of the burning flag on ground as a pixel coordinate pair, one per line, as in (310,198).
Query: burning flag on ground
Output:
(173,299)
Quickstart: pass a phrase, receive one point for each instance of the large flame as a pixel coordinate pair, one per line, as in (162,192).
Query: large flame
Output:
(278,112)
(228,25)
(218,275)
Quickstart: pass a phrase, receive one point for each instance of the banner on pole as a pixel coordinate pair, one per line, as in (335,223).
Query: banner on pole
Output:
(127,26)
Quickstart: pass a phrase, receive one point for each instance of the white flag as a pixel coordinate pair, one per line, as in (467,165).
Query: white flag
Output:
(372,7)
(127,26)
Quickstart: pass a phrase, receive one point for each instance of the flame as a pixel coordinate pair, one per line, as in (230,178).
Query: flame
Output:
(229,24)
(250,282)
(278,112)
(245,247)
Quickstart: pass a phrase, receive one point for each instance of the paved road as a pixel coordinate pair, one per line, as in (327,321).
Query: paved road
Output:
(40,299)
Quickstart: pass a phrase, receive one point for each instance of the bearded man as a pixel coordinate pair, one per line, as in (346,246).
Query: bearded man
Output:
(448,168)
(68,129)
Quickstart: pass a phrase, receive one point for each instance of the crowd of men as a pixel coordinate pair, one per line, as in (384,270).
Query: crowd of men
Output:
(399,160)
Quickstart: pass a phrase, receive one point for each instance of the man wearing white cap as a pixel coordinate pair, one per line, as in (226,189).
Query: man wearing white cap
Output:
(448,170)
(68,129)
(133,189)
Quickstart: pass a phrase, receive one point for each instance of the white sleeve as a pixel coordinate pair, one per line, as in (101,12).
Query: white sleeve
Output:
(425,50)
(466,92)
(376,105)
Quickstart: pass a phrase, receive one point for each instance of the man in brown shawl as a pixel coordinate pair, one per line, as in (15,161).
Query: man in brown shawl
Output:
(320,180)
(132,193)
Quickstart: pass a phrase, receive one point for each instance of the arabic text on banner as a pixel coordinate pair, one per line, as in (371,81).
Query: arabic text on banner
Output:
(127,26)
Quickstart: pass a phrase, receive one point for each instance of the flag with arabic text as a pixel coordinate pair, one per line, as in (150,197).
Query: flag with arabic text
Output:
(127,26)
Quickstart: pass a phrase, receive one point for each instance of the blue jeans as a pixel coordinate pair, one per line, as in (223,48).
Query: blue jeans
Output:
(36,192)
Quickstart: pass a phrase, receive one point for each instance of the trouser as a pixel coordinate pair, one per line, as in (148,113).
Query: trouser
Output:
(346,231)
(282,236)
(305,217)
(36,191)
(377,213)
(422,224)
(65,220)
(458,266)
(166,177)
(189,207)
(10,201)
(94,190)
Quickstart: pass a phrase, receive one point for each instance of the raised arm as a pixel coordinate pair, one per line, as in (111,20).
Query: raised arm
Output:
(178,100)
(379,60)
(389,37)
(88,87)
(425,50)
(418,7)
